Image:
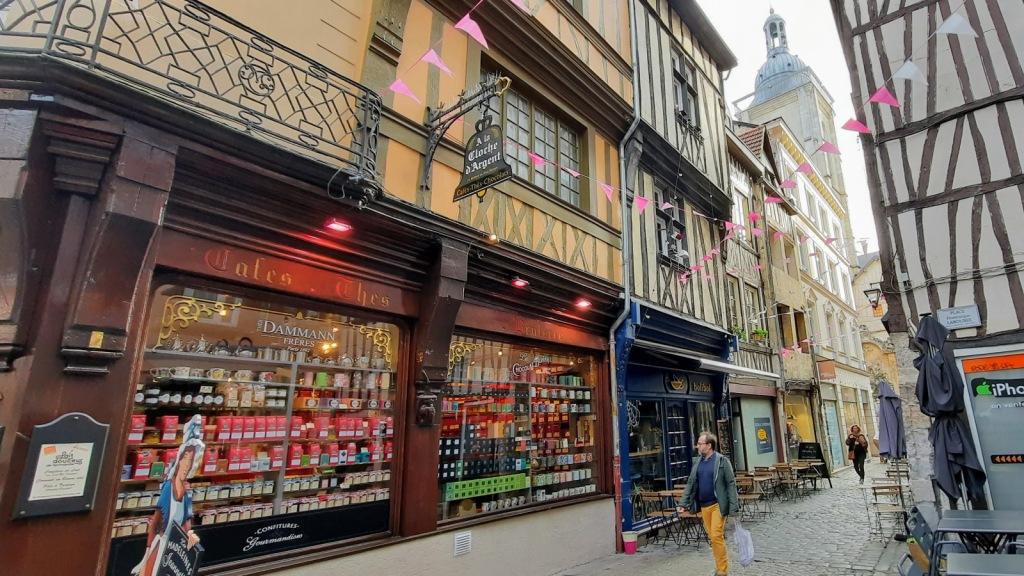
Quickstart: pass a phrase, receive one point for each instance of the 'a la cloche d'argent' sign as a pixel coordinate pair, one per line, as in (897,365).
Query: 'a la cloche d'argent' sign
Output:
(485,164)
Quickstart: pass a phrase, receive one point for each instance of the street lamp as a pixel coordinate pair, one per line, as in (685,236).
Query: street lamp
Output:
(874,295)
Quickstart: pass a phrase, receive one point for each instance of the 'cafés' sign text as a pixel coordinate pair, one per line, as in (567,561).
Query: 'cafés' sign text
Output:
(485,164)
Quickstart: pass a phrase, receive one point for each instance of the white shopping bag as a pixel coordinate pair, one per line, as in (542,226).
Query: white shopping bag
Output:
(744,544)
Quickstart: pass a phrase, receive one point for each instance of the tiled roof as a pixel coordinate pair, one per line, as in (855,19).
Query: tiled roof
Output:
(753,139)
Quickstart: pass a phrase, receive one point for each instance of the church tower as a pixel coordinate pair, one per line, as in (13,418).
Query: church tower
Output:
(787,88)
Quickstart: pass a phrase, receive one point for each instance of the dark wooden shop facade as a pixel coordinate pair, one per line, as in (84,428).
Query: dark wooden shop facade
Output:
(108,194)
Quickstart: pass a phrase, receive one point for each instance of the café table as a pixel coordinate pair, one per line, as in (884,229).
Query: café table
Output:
(988,530)
(984,564)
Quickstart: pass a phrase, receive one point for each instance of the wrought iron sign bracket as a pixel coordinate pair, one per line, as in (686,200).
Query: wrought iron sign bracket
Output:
(440,120)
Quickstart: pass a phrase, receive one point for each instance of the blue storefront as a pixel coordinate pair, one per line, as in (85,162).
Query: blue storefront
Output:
(672,378)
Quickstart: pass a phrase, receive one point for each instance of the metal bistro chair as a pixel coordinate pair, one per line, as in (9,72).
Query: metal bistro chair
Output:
(691,525)
(888,510)
(790,483)
(661,517)
(753,503)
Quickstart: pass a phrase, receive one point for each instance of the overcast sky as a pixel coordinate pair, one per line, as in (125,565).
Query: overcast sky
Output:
(812,36)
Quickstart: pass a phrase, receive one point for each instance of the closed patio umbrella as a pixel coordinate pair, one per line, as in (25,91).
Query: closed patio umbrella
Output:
(940,391)
(892,441)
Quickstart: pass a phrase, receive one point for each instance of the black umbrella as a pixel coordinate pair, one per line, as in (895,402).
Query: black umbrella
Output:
(892,440)
(940,391)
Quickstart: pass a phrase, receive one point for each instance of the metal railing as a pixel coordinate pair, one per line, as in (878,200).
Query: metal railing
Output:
(204,61)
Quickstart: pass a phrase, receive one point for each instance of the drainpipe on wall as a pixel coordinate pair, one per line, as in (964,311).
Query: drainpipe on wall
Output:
(627,268)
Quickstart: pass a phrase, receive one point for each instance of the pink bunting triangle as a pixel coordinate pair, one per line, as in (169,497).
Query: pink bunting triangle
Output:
(469,26)
(607,189)
(756,231)
(829,241)
(399,87)
(772,200)
(786,353)
(828,148)
(707,258)
(431,57)
(537,159)
(697,267)
(572,172)
(729,225)
(666,205)
(788,184)
(683,278)
(855,125)
(883,96)
(758,267)
(754,216)
(777,235)
(641,203)
(715,252)
(956,24)
(805,167)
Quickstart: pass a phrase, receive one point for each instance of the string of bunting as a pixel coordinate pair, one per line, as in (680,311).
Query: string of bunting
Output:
(953,25)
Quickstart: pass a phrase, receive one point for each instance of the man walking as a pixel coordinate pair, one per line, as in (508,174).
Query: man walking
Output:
(711,489)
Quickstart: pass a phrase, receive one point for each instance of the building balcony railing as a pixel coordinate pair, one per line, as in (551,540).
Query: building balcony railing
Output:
(199,59)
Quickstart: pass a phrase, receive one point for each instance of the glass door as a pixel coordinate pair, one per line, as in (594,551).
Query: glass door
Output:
(646,449)
(679,441)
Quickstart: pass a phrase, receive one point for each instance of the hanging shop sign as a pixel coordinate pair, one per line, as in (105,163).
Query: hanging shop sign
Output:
(676,382)
(959,317)
(64,458)
(485,164)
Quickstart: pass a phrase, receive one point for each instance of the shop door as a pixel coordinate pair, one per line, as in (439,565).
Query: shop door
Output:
(677,438)
(835,440)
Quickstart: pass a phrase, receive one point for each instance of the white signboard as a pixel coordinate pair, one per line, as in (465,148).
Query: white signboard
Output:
(959,317)
(61,471)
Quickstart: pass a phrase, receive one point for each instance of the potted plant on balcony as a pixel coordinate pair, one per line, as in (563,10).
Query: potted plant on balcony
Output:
(740,333)
(759,335)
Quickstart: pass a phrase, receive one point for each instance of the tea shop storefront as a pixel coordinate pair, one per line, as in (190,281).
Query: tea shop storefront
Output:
(300,372)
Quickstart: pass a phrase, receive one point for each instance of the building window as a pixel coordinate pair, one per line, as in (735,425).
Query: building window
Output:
(736,323)
(752,310)
(684,90)
(831,328)
(671,227)
(844,343)
(805,258)
(531,128)
(740,210)
(280,433)
(509,401)
(833,277)
(823,219)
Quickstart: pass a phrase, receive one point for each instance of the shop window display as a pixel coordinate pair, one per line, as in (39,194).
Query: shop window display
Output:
(518,427)
(293,406)
(646,445)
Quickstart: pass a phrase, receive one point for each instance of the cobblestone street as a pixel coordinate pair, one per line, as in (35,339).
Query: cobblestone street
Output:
(823,535)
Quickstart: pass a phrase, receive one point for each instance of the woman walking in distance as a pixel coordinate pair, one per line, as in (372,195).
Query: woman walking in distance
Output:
(857,444)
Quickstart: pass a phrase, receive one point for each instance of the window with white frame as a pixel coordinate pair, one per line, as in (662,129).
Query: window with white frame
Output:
(752,310)
(736,323)
(740,209)
(684,90)
(833,278)
(668,208)
(830,327)
(531,128)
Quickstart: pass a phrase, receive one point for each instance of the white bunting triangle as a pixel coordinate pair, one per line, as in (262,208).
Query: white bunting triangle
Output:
(956,24)
(909,71)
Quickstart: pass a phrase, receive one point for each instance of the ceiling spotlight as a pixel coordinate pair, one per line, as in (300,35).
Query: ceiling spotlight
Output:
(519,282)
(583,303)
(336,225)
(492,238)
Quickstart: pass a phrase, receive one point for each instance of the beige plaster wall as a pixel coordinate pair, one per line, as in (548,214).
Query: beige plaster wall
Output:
(535,544)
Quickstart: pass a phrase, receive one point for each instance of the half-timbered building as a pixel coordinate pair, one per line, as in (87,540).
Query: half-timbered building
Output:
(673,345)
(755,401)
(946,183)
(231,235)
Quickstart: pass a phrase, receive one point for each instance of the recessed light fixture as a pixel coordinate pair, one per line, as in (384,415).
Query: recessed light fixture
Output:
(519,282)
(583,303)
(492,238)
(336,225)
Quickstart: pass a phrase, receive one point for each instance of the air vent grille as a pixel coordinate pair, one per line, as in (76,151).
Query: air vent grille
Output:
(463,543)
